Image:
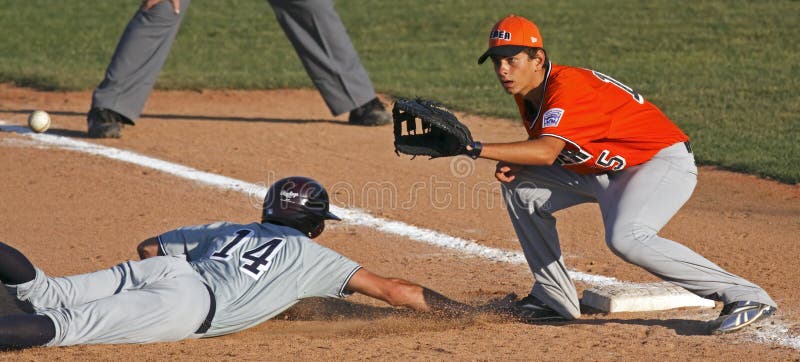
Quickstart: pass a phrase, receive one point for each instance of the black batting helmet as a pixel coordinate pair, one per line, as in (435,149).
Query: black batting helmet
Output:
(298,202)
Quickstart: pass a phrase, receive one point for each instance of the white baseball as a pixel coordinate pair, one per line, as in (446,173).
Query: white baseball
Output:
(39,121)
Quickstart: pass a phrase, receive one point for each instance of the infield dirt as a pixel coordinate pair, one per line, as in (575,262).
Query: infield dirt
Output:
(73,213)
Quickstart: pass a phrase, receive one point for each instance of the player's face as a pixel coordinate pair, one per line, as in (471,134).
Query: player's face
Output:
(518,74)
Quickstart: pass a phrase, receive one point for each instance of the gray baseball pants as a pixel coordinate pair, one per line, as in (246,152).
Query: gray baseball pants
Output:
(635,204)
(313,27)
(159,299)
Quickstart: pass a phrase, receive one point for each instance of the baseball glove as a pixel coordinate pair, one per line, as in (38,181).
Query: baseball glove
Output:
(438,134)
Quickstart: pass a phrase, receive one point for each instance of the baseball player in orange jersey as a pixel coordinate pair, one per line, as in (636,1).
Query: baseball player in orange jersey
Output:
(591,138)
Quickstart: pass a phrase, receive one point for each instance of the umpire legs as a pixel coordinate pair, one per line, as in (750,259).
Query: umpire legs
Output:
(140,54)
(321,41)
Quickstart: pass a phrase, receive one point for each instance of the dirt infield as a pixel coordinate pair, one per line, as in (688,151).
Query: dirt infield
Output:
(72,213)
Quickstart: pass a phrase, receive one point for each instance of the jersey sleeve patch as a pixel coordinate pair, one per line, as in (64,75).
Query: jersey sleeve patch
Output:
(552,117)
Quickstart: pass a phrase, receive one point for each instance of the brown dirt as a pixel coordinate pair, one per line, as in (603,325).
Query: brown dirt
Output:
(72,213)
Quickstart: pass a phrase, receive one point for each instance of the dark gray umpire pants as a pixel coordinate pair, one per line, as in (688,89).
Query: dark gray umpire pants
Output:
(313,27)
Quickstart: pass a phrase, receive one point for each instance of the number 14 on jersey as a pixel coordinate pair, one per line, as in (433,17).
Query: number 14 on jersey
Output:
(254,262)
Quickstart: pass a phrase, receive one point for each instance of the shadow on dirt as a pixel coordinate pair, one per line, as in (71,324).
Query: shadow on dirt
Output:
(683,327)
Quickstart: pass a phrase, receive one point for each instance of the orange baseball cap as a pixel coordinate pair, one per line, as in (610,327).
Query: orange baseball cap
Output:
(510,35)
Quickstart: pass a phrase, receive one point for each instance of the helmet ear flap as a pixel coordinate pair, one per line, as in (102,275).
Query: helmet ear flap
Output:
(317,230)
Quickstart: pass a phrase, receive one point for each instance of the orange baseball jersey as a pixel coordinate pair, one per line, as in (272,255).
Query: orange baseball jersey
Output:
(607,126)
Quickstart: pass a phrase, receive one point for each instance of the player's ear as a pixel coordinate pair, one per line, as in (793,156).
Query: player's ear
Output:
(538,56)
(541,56)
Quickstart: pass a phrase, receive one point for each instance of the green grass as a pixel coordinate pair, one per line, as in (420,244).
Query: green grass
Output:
(728,72)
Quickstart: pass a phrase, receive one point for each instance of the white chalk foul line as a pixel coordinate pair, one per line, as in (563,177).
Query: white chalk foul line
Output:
(349,215)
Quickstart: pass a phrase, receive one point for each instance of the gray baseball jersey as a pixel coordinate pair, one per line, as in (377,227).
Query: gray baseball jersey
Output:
(255,272)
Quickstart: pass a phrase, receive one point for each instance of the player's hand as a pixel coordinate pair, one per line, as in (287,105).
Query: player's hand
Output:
(148,4)
(505,171)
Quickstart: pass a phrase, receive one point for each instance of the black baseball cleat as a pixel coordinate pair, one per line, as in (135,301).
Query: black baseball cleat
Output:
(737,315)
(105,123)
(370,114)
(530,309)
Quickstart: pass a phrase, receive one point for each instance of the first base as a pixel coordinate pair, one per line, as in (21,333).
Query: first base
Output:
(641,298)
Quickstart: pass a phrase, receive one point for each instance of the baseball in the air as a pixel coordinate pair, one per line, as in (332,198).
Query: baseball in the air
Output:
(39,121)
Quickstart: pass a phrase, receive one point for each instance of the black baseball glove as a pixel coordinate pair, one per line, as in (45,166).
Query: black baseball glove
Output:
(437,134)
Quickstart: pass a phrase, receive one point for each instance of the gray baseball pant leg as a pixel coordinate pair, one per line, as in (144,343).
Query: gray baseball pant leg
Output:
(636,203)
(154,300)
(321,41)
(536,193)
(639,201)
(140,54)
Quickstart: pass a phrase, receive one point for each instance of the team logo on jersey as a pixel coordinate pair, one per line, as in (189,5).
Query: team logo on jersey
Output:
(552,117)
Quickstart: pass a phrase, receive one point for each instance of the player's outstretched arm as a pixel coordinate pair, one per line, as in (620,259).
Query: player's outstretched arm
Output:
(540,151)
(400,292)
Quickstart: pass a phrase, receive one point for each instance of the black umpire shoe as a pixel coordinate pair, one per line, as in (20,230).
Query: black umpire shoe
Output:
(737,315)
(105,123)
(530,309)
(370,114)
